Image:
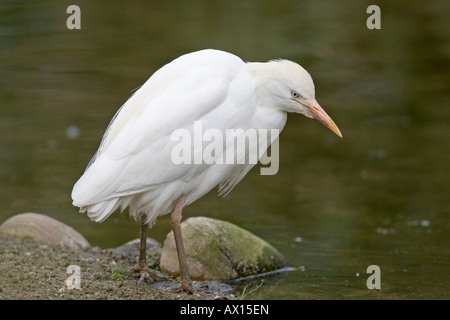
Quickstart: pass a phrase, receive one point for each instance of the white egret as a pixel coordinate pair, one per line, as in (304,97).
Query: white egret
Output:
(133,167)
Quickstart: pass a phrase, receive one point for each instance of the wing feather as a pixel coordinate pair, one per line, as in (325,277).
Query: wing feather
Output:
(134,155)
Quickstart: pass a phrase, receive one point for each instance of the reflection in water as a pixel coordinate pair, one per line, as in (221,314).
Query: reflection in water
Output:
(379,196)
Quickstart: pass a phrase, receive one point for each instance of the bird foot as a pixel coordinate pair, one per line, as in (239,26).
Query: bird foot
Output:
(187,287)
(145,273)
(143,270)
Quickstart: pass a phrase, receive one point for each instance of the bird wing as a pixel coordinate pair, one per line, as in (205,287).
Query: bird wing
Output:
(135,153)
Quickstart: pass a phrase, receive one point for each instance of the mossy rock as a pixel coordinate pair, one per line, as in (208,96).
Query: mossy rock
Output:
(219,250)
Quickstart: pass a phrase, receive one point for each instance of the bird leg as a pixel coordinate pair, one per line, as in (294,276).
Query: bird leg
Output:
(142,260)
(141,267)
(175,219)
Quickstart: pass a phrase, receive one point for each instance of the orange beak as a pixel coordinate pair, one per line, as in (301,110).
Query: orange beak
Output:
(320,114)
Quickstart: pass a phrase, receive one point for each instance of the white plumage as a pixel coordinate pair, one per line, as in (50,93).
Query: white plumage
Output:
(133,166)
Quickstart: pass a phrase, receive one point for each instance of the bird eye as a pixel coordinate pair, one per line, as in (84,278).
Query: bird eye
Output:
(295,94)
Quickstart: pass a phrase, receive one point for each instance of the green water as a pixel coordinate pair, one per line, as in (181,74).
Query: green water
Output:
(379,196)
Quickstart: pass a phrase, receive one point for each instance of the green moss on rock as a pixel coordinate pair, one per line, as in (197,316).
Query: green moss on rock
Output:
(219,250)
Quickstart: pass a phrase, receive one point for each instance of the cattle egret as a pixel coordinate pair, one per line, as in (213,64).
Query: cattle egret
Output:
(134,168)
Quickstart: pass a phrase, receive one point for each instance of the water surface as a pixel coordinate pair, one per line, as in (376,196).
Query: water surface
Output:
(379,196)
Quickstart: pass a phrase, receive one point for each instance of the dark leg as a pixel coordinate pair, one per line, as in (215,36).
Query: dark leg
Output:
(175,220)
(142,261)
(141,267)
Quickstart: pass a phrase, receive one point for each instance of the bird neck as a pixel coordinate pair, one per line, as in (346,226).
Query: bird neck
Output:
(264,82)
(262,74)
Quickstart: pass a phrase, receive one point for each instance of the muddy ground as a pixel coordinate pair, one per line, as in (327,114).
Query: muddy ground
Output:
(33,270)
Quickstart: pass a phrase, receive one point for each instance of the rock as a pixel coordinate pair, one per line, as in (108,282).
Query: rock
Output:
(45,229)
(132,247)
(219,250)
(130,251)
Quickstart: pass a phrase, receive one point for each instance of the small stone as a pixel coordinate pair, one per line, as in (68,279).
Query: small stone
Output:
(133,246)
(130,251)
(45,229)
(219,250)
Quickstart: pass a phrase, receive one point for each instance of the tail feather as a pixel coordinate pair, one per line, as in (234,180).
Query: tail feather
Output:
(99,212)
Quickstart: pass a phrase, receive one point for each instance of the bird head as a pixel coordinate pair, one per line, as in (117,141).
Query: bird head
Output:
(290,87)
